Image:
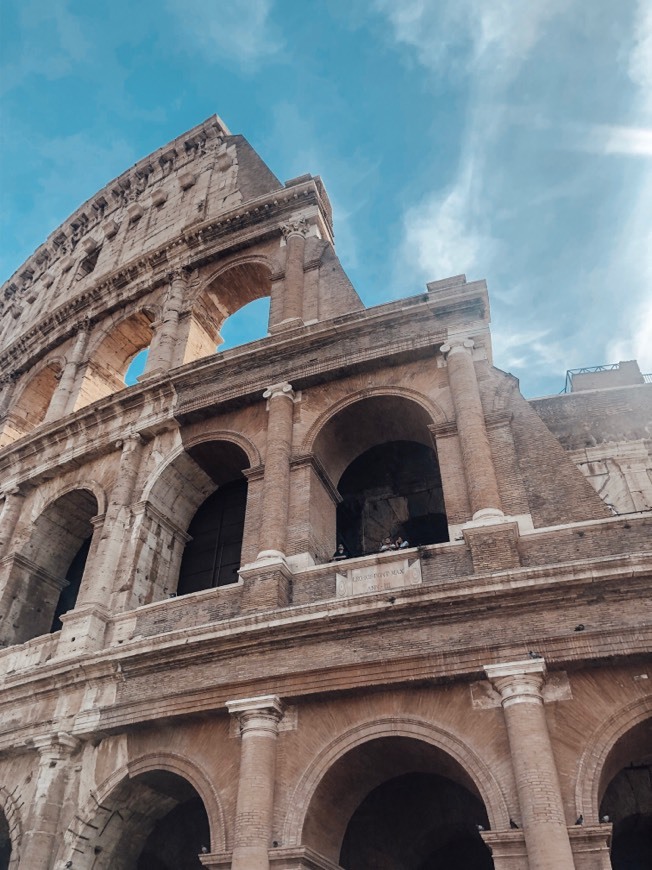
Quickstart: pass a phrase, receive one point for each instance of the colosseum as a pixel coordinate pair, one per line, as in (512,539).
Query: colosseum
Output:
(340,597)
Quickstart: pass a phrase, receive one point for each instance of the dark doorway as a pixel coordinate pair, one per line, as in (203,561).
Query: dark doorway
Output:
(628,803)
(74,574)
(177,839)
(391,489)
(417,821)
(212,557)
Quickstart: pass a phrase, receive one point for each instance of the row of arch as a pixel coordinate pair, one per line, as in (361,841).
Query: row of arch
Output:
(386,794)
(199,313)
(193,516)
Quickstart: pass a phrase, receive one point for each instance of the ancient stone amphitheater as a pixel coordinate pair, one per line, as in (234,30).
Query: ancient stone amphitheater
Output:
(189,676)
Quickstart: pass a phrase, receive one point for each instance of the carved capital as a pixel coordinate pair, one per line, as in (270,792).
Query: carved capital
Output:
(299,227)
(518,682)
(280,389)
(458,345)
(52,747)
(257,716)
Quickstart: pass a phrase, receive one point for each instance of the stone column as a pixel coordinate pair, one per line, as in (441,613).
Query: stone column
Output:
(542,811)
(65,395)
(295,234)
(9,518)
(161,356)
(43,831)
(476,454)
(259,720)
(7,387)
(276,483)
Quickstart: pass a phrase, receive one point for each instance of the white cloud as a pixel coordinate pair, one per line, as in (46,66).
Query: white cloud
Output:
(452,231)
(240,30)
(501,33)
(448,232)
(443,234)
(640,60)
(613,139)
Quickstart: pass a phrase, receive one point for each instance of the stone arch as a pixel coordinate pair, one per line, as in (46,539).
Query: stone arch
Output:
(434,411)
(46,571)
(84,837)
(219,295)
(31,400)
(592,767)
(376,451)
(110,350)
(207,465)
(44,500)
(9,807)
(463,755)
(215,433)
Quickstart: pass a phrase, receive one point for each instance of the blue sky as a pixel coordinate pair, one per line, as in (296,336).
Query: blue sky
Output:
(507,139)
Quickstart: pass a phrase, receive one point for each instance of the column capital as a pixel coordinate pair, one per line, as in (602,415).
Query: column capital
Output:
(178,274)
(299,227)
(518,682)
(52,747)
(129,442)
(260,715)
(12,490)
(281,389)
(459,344)
(83,326)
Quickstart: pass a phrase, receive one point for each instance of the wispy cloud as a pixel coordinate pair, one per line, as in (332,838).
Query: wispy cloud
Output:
(472,222)
(66,40)
(614,139)
(240,30)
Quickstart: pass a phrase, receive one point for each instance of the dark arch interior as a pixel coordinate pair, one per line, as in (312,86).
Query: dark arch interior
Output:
(212,555)
(627,800)
(392,489)
(418,821)
(74,574)
(55,557)
(152,821)
(5,842)
(177,839)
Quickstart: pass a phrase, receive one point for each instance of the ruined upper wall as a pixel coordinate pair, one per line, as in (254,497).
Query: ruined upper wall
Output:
(196,177)
(591,417)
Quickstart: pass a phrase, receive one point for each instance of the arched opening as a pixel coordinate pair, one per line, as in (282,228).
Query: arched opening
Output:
(391,490)
(32,404)
(108,364)
(193,525)
(136,367)
(380,454)
(153,821)
(627,798)
(46,576)
(247,324)
(398,802)
(212,555)
(226,294)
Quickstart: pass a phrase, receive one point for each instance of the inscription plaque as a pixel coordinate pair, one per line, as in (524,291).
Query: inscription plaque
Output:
(378,578)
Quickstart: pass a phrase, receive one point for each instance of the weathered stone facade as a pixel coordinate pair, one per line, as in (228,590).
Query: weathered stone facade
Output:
(188,678)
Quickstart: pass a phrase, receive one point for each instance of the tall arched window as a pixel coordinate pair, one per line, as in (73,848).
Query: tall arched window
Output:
(46,575)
